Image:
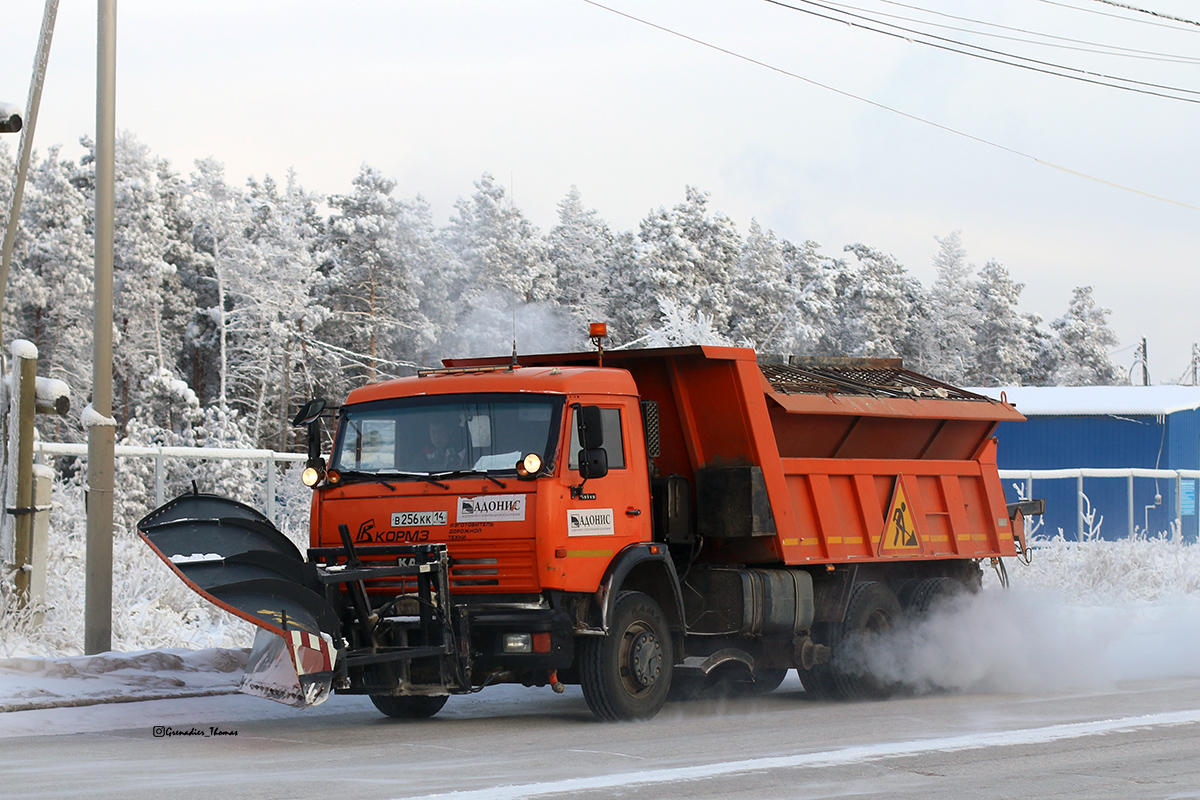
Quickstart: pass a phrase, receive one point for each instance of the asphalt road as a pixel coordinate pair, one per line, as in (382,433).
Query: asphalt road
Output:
(1138,740)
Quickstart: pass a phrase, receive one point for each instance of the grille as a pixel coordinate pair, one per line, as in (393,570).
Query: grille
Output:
(496,566)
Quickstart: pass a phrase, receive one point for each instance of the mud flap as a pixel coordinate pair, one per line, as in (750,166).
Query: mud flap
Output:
(296,670)
(232,556)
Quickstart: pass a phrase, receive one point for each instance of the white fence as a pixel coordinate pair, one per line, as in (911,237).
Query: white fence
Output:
(1175,475)
(161,454)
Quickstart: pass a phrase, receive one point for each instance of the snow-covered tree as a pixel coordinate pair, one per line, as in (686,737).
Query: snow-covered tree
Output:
(142,278)
(274,305)
(947,342)
(628,294)
(580,247)
(499,247)
(879,308)
(817,277)
(762,296)
(1084,339)
(376,322)
(690,256)
(1006,341)
(50,288)
(221,217)
(682,326)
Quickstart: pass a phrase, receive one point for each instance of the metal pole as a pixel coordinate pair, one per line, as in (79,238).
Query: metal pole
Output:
(160,479)
(1179,502)
(26,381)
(97,632)
(1129,494)
(1145,365)
(1079,507)
(271,465)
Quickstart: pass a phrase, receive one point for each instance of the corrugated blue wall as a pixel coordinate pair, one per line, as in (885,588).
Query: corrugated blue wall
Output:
(1108,442)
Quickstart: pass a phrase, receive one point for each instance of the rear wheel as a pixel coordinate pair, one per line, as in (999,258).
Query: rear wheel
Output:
(626,674)
(871,612)
(929,594)
(410,706)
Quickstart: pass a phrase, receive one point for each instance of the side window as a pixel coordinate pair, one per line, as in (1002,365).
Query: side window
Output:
(614,439)
(369,445)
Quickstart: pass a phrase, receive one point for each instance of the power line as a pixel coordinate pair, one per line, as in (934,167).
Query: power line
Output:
(1091,47)
(996,56)
(1158,14)
(887,108)
(1117,16)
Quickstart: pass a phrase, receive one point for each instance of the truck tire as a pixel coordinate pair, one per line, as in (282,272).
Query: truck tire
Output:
(409,706)
(929,593)
(872,611)
(626,675)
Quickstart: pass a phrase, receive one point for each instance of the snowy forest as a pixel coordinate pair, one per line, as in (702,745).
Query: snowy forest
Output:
(233,304)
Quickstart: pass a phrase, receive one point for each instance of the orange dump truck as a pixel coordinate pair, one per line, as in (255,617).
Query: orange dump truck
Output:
(619,520)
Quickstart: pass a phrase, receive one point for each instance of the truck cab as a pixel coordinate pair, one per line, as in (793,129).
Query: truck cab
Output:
(536,480)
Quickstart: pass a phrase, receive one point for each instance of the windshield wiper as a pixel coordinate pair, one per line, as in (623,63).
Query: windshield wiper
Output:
(462,473)
(379,477)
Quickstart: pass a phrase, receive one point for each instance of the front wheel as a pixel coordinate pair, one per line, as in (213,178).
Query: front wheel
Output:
(409,706)
(626,674)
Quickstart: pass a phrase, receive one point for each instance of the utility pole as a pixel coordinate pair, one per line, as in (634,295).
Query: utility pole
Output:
(1195,361)
(97,621)
(1145,365)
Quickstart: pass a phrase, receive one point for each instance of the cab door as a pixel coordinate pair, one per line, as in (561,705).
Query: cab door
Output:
(612,511)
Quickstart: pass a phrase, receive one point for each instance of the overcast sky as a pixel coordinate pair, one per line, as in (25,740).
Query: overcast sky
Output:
(549,93)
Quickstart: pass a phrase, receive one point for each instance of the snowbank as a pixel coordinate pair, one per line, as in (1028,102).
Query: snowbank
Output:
(37,683)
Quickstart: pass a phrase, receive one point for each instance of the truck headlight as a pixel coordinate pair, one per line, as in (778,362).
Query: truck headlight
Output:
(518,643)
(529,466)
(312,475)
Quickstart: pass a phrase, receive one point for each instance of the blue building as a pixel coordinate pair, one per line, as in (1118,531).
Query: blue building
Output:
(1107,428)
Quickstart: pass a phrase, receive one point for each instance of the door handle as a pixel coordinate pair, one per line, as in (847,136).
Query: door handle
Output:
(633,512)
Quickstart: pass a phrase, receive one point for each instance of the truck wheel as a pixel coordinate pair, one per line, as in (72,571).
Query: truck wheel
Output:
(929,593)
(818,681)
(626,674)
(871,612)
(409,706)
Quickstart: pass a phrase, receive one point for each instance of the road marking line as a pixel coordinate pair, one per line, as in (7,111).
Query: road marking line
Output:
(830,758)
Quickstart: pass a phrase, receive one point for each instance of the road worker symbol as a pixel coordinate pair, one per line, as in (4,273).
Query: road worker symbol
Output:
(900,536)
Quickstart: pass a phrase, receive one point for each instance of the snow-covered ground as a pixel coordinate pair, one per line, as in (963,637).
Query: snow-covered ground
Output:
(1080,616)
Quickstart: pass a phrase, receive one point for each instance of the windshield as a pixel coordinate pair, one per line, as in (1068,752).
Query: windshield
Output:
(446,434)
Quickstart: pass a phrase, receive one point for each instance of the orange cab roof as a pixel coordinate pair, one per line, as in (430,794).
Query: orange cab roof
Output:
(542,380)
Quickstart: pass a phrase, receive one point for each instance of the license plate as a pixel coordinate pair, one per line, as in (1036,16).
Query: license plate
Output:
(415,519)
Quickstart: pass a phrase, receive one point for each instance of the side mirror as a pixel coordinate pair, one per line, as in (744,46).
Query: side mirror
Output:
(591,429)
(593,463)
(309,416)
(309,412)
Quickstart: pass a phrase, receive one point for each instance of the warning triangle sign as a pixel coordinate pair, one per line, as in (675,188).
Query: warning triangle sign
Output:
(900,534)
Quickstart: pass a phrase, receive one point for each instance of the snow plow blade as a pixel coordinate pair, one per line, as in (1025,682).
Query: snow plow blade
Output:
(233,556)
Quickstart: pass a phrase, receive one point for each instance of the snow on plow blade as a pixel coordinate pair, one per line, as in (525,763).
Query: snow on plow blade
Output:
(233,556)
